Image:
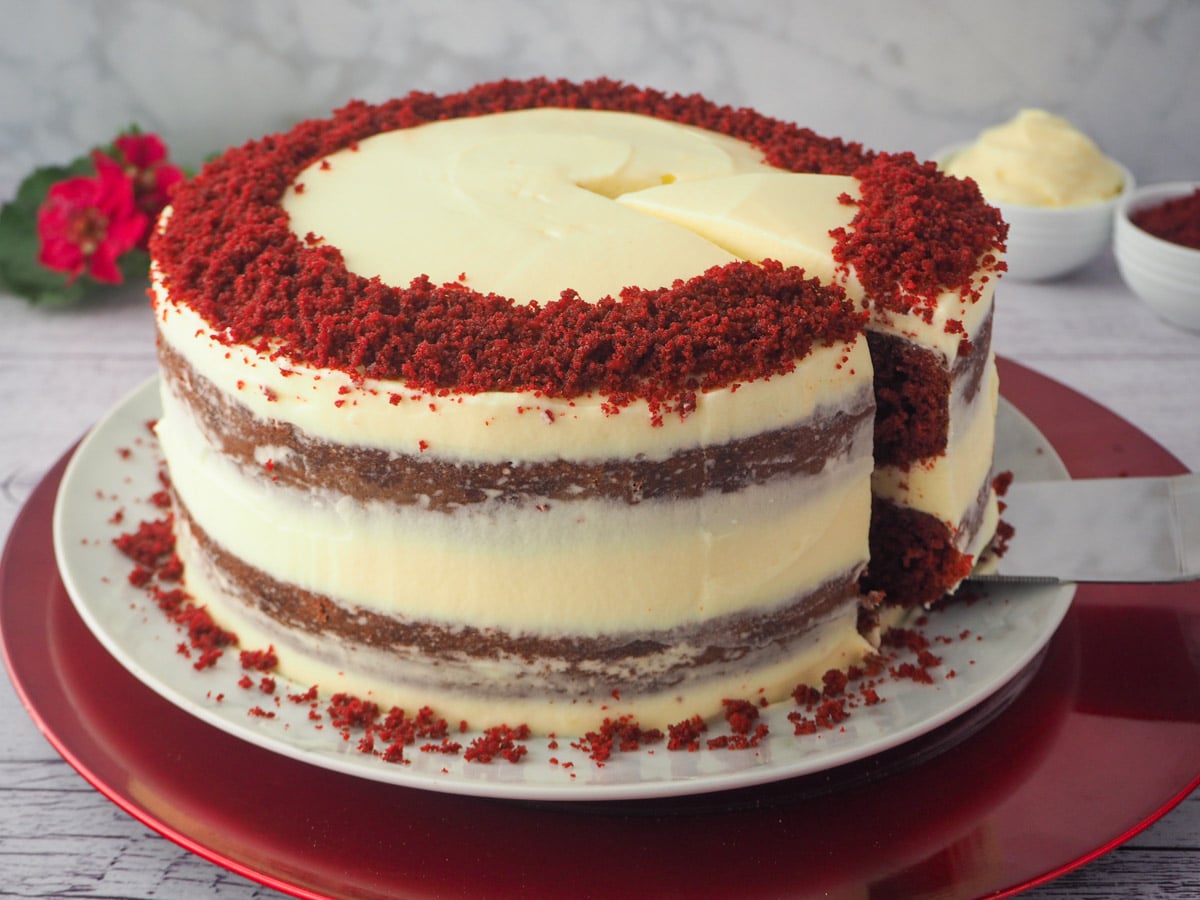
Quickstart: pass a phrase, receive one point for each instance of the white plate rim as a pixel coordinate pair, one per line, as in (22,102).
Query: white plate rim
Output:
(115,467)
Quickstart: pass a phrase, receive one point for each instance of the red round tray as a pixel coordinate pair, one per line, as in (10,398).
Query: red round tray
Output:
(1101,741)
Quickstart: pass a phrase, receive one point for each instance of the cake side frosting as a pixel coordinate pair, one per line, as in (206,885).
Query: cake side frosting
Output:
(394,416)
(733,533)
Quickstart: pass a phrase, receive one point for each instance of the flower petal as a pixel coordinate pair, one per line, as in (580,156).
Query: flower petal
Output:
(142,151)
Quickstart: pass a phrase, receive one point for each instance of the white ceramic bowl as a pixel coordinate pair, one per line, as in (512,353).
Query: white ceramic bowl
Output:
(1049,242)
(1165,275)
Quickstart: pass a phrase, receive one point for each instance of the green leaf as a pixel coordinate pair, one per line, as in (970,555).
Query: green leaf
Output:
(134,265)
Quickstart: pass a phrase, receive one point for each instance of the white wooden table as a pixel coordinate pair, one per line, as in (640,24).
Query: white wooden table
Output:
(61,369)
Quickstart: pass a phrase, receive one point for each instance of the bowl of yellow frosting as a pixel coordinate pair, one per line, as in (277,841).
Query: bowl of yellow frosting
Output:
(1054,186)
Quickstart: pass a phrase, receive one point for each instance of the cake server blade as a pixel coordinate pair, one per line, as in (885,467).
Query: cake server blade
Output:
(1128,530)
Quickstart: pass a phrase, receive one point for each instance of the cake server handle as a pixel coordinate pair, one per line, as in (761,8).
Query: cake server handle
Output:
(1124,530)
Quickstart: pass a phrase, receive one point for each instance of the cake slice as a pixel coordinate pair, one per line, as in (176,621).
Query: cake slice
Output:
(936,384)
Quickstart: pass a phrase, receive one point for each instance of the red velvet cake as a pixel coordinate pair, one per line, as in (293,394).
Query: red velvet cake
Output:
(549,402)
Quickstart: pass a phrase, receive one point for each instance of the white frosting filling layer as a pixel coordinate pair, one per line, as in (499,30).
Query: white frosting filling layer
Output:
(623,567)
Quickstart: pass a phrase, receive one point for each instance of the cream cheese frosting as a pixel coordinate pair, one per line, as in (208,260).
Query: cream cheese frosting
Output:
(530,192)
(1038,159)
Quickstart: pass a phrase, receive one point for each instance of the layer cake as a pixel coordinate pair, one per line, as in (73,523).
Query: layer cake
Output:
(546,402)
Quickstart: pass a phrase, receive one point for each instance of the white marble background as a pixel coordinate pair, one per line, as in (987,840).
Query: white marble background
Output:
(898,76)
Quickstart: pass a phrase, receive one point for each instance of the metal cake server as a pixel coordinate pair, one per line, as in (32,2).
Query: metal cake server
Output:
(1128,530)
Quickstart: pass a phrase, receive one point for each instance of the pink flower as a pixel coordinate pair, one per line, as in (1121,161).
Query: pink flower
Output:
(144,159)
(86,224)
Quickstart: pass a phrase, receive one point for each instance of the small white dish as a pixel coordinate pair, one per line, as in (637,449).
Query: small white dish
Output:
(1047,242)
(1163,274)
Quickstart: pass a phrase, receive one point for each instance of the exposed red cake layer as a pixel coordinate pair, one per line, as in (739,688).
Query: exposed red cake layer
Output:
(912,393)
(913,557)
(227,250)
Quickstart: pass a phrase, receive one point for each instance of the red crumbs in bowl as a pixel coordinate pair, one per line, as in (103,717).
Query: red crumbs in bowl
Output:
(1176,220)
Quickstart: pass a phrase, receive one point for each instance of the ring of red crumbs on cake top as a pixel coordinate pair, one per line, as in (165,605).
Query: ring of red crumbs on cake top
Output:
(916,232)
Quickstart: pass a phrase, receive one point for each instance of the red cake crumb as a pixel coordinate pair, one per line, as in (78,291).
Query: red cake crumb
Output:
(917,644)
(308,696)
(835,682)
(153,542)
(747,731)
(397,726)
(259,660)
(446,746)
(1004,534)
(803,694)
(830,713)
(685,735)
(152,547)
(1002,482)
(918,674)
(918,232)
(171,570)
(621,735)
(346,711)
(904,638)
(823,716)
(500,741)
(389,735)
(739,741)
(741,715)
